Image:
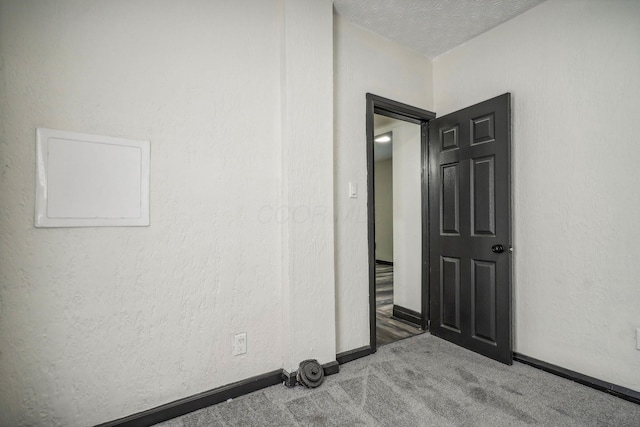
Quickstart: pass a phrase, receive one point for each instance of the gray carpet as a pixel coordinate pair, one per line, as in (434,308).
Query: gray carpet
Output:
(424,381)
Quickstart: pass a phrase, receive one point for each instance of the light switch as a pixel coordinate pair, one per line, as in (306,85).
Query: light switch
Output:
(353,190)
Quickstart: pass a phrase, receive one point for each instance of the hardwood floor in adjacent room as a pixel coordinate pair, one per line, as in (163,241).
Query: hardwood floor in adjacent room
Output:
(389,329)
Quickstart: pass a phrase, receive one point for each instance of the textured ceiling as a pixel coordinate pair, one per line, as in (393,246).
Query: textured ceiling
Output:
(431,27)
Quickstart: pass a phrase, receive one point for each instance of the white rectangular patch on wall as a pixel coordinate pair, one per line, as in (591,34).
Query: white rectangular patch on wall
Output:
(90,180)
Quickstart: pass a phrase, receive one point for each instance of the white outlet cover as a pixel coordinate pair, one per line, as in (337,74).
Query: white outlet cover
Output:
(239,344)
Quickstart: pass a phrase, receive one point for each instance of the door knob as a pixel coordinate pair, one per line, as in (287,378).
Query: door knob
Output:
(497,249)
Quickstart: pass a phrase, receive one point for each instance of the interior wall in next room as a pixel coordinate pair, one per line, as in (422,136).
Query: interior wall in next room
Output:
(407,216)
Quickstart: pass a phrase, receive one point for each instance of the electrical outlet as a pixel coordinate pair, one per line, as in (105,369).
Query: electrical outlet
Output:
(239,344)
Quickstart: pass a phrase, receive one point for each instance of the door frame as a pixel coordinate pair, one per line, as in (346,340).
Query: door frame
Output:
(397,110)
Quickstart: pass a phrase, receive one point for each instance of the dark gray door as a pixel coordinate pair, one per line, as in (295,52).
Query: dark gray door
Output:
(470,228)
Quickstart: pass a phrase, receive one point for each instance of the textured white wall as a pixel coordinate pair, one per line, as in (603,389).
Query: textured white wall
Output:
(364,62)
(407,216)
(383,186)
(307,155)
(100,323)
(572,67)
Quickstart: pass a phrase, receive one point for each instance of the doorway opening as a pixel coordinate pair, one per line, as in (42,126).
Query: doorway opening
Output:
(397,197)
(398,219)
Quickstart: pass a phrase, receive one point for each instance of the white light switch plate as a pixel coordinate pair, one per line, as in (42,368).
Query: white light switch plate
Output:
(353,190)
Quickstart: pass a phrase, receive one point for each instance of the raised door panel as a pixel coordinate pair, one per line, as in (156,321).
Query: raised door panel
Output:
(450,291)
(449,138)
(450,205)
(483,301)
(483,129)
(483,201)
